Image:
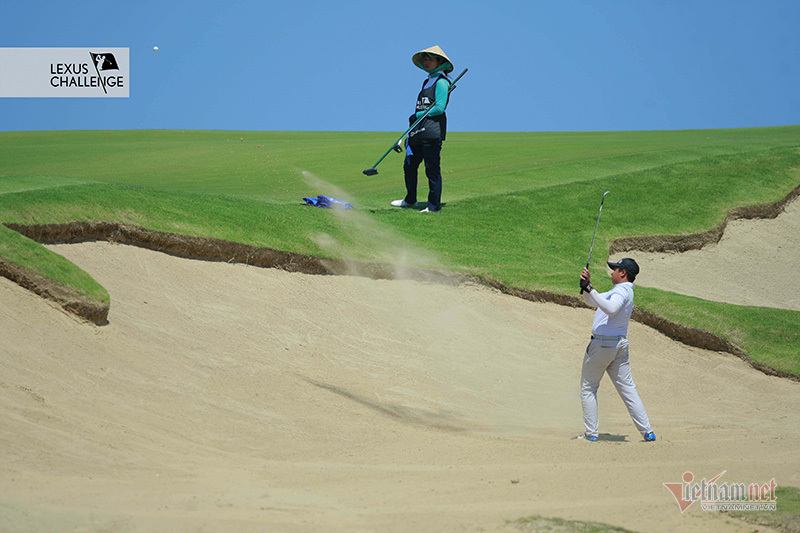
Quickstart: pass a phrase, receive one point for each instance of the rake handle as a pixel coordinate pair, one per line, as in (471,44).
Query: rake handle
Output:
(414,125)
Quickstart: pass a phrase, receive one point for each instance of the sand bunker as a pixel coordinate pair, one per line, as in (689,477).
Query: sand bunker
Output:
(755,263)
(227,397)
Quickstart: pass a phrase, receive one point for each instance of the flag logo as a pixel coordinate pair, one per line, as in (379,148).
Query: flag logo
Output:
(103,62)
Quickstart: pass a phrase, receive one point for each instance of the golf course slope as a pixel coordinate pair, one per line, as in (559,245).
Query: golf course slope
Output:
(222,397)
(754,263)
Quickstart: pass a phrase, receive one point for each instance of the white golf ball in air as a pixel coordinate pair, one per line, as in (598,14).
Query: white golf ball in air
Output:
(155,49)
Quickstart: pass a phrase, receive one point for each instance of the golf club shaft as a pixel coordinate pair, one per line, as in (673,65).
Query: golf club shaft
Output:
(420,119)
(597,224)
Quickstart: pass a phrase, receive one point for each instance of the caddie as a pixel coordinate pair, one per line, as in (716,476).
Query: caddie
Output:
(424,142)
(608,348)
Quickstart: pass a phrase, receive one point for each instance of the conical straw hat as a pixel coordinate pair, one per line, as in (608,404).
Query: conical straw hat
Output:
(435,50)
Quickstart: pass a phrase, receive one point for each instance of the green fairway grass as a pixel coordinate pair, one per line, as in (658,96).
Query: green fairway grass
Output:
(29,254)
(786,516)
(541,524)
(519,207)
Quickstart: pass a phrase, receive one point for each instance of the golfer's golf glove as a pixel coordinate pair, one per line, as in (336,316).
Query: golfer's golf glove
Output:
(586,285)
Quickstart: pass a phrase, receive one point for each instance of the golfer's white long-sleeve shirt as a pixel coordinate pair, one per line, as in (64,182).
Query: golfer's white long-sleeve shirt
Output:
(614,309)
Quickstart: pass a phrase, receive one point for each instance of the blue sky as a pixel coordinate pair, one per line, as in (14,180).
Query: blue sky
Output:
(346,66)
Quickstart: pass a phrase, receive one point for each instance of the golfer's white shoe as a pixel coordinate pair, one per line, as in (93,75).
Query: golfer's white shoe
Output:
(401,203)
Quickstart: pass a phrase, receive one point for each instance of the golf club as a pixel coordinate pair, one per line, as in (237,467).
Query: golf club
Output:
(396,146)
(588,259)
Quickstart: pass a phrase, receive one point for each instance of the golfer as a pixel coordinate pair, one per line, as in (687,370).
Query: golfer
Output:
(608,348)
(424,142)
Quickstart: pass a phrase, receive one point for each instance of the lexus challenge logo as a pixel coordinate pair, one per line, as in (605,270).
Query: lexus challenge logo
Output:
(64,72)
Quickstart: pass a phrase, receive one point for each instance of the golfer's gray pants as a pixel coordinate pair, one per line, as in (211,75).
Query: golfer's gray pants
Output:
(611,356)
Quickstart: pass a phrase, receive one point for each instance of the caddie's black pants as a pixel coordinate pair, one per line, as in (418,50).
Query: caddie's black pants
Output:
(430,152)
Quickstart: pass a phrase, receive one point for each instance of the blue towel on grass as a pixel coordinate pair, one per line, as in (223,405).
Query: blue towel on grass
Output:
(327,201)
